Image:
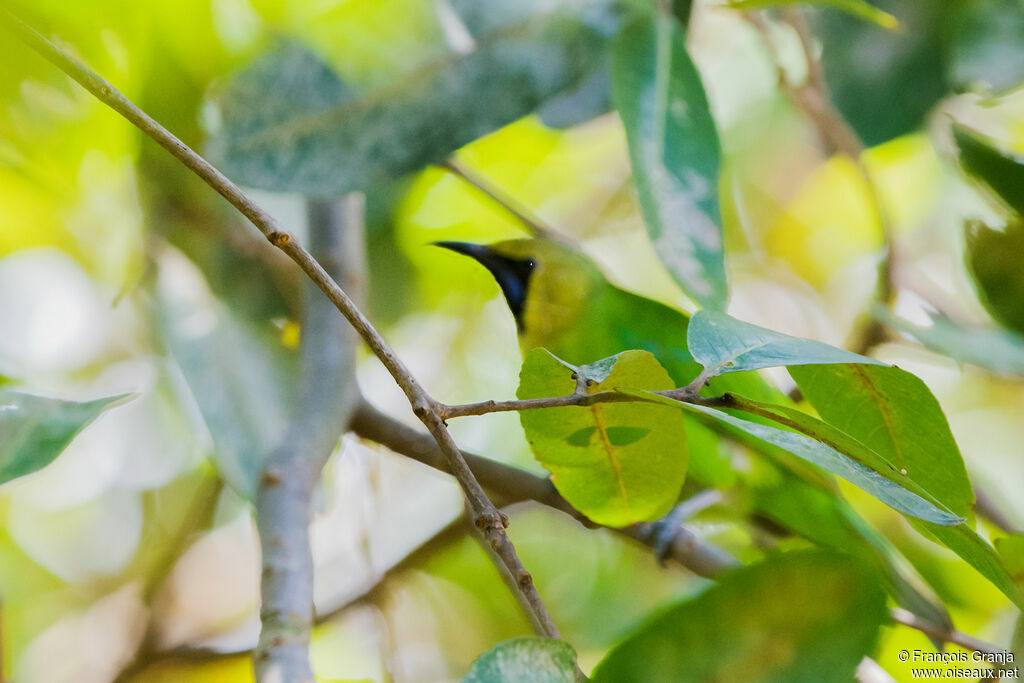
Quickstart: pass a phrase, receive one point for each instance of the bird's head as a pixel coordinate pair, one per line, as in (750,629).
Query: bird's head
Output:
(545,284)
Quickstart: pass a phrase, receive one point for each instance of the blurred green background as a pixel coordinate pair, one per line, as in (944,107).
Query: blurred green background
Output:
(116,264)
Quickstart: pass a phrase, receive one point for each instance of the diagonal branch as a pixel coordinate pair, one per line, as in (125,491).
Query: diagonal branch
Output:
(533,223)
(487,517)
(812,98)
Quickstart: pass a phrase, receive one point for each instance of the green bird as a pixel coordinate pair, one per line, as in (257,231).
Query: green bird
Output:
(562,302)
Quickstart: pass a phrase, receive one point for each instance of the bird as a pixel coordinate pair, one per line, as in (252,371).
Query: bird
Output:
(561,301)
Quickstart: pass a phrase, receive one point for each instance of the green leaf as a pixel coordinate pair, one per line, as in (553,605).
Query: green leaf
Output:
(978,553)
(826,456)
(525,660)
(857,8)
(840,441)
(999,350)
(674,151)
(240,378)
(827,520)
(34,430)
(987,45)
(892,413)
(618,463)
(1011,551)
(723,344)
(1001,169)
(806,616)
(885,82)
(289,123)
(993,257)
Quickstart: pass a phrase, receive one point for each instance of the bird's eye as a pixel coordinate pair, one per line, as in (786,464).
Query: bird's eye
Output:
(531,263)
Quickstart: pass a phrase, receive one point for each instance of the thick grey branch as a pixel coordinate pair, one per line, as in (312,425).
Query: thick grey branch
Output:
(327,395)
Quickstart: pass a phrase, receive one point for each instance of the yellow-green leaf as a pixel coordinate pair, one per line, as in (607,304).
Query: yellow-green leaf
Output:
(618,463)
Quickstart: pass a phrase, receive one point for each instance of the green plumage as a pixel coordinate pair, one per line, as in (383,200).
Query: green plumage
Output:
(571,310)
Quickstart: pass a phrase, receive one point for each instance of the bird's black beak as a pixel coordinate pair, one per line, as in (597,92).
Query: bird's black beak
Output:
(478,252)
(512,274)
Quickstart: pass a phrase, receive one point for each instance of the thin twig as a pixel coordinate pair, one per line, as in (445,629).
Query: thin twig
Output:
(946,635)
(533,223)
(812,98)
(987,507)
(682,394)
(488,518)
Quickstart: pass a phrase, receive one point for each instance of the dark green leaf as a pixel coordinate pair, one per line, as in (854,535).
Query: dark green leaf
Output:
(674,151)
(827,520)
(618,463)
(994,259)
(796,617)
(999,350)
(289,123)
(885,82)
(723,344)
(977,552)
(840,441)
(525,660)
(34,430)
(1000,168)
(827,457)
(892,412)
(987,45)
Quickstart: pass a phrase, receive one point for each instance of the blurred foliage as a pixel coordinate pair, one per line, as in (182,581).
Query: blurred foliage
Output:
(122,273)
(796,617)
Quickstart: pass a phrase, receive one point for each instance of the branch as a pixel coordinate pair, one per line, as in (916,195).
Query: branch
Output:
(685,394)
(512,484)
(812,98)
(534,225)
(327,395)
(950,635)
(487,517)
